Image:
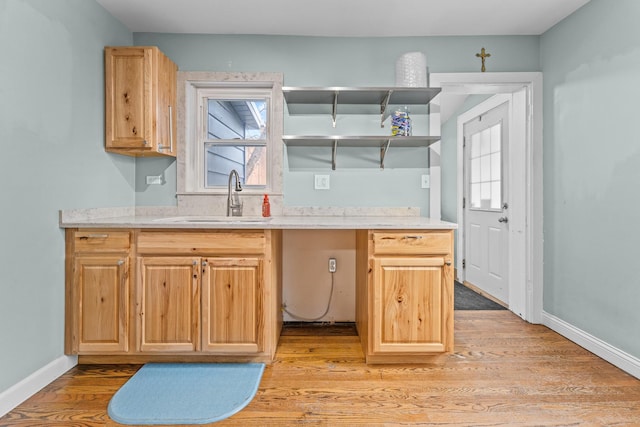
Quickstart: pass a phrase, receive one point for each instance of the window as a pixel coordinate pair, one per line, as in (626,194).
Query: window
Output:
(231,121)
(486,170)
(234,137)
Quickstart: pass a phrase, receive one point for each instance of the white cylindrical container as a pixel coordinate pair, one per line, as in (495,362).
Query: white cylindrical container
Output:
(411,70)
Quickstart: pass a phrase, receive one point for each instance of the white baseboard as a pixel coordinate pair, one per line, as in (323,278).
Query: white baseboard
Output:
(611,354)
(29,386)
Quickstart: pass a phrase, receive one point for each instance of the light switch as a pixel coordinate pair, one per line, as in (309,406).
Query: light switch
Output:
(322,182)
(154,180)
(425,181)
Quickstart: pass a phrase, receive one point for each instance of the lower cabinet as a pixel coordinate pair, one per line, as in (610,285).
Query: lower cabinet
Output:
(138,295)
(200,304)
(102,289)
(404,295)
(98,288)
(195,295)
(408,305)
(169,303)
(232,290)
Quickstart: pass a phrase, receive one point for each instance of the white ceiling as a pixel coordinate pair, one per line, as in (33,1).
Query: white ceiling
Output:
(360,18)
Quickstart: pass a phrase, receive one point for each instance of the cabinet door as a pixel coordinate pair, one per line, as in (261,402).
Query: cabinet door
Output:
(140,101)
(411,299)
(169,300)
(232,305)
(128,85)
(166,112)
(102,288)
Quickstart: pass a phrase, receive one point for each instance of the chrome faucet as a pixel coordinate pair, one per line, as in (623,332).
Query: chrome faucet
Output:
(234,206)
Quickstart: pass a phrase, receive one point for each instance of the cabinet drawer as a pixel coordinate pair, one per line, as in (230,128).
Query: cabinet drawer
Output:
(201,243)
(419,242)
(101,241)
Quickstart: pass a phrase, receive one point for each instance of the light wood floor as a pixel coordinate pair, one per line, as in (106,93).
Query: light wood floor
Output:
(504,372)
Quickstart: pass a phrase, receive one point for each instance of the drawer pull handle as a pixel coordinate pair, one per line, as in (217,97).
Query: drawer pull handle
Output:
(97,236)
(412,237)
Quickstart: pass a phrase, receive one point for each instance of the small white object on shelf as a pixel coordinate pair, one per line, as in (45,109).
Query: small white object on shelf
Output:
(411,70)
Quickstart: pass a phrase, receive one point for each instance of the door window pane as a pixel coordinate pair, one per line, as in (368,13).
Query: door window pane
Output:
(496,197)
(475,145)
(496,167)
(475,195)
(475,170)
(486,169)
(485,142)
(496,138)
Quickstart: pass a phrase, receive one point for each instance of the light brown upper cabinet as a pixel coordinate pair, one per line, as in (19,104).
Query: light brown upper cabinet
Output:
(140,101)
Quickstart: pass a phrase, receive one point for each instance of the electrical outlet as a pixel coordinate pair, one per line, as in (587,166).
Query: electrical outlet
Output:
(154,180)
(426,182)
(321,182)
(332,265)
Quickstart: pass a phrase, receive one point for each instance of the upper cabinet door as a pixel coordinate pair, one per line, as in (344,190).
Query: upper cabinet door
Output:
(140,102)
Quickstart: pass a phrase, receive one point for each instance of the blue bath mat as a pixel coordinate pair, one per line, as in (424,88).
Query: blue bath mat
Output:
(185,393)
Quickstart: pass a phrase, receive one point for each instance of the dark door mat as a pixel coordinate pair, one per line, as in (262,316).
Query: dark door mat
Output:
(466,299)
(319,328)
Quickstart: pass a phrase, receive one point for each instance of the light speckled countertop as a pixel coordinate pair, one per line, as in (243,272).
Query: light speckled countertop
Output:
(128,218)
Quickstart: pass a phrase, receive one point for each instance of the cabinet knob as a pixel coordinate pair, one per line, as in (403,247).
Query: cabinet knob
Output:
(448,262)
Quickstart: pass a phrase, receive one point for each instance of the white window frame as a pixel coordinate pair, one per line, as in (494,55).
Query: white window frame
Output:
(191,88)
(227,93)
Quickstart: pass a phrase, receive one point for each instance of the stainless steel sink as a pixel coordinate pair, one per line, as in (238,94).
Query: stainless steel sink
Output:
(216,219)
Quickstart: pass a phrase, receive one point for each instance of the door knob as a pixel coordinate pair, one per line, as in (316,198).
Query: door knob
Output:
(503,219)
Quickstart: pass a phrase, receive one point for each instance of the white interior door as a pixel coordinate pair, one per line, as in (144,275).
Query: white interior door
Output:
(486,141)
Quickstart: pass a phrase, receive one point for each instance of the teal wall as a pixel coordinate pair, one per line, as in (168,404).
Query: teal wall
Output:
(334,61)
(51,132)
(591,64)
(51,104)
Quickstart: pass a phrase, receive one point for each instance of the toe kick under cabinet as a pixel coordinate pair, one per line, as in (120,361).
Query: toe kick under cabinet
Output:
(404,294)
(164,295)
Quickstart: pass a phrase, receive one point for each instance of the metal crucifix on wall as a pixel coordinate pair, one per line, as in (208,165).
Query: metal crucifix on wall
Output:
(482,55)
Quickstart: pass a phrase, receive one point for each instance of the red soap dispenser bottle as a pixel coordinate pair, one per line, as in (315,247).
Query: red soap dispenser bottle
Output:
(266,206)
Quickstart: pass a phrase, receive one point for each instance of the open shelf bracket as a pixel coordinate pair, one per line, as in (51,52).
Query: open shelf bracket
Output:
(334,154)
(334,112)
(383,152)
(383,107)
